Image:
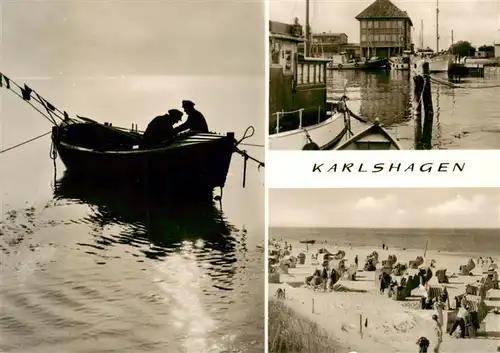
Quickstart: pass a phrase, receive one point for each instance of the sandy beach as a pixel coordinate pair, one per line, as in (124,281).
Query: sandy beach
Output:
(387,325)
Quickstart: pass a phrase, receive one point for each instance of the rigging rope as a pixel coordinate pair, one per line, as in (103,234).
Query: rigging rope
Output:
(249,132)
(454,85)
(25,142)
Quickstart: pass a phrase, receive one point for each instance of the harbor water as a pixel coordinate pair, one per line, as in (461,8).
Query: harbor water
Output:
(464,118)
(98,269)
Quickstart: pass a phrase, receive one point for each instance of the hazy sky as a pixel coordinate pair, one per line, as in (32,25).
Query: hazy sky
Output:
(203,37)
(380,208)
(477,21)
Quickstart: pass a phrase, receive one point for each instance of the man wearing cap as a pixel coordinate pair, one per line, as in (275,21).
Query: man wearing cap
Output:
(195,121)
(161,128)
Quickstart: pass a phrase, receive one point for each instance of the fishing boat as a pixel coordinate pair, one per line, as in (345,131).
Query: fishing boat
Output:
(400,63)
(299,116)
(97,150)
(374,137)
(440,61)
(191,161)
(343,62)
(312,241)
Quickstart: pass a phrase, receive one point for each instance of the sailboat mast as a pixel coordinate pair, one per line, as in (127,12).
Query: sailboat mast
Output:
(452,42)
(437,26)
(422,34)
(306,43)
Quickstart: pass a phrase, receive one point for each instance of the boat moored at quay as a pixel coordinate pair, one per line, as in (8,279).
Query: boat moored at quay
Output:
(300,116)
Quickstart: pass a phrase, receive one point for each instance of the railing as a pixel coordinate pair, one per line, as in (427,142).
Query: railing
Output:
(303,118)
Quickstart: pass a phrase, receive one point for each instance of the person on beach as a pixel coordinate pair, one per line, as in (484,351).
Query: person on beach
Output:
(439,333)
(325,274)
(439,307)
(423,344)
(385,280)
(460,321)
(356,260)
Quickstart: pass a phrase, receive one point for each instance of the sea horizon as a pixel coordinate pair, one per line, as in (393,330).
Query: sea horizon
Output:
(459,240)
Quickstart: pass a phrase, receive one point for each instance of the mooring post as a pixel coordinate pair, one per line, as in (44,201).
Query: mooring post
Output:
(428,110)
(313,305)
(361,325)
(418,87)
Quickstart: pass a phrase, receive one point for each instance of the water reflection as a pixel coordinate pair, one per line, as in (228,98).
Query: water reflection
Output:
(125,269)
(142,218)
(388,97)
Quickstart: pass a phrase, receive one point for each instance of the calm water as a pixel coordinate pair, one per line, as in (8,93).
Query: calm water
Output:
(464,118)
(482,241)
(98,269)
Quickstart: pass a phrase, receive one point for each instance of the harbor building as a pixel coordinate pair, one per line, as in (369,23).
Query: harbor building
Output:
(385,30)
(327,44)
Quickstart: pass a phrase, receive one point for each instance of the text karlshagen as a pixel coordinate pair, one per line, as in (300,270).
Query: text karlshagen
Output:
(442,167)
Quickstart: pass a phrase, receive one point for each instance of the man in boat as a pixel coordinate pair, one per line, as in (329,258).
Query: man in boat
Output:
(195,122)
(161,129)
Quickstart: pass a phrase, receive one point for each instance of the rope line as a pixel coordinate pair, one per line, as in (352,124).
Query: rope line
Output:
(252,144)
(245,155)
(454,85)
(25,142)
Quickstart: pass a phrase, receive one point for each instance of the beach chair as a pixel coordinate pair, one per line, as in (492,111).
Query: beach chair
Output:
(441,276)
(476,305)
(274,276)
(435,291)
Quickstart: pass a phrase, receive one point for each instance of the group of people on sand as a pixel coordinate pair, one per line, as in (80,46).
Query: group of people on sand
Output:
(462,320)
(423,343)
(161,129)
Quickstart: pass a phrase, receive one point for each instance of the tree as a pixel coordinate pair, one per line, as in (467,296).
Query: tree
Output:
(463,48)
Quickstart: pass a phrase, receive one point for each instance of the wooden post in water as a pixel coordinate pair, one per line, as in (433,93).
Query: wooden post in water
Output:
(418,87)
(361,325)
(313,305)
(428,110)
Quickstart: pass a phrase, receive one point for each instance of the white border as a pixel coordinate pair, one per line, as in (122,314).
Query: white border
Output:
(266,155)
(294,169)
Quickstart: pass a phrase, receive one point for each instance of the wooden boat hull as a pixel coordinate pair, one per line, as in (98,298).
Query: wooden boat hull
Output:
(307,241)
(373,138)
(440,63)
(399,63)
(325,134)
(199,161)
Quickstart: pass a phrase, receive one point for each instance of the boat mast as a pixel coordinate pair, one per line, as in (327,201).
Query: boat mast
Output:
(437,26)
(422,34)
(306,43)
(451,42)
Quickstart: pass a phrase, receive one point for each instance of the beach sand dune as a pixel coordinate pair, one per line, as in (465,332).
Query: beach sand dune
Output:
(363,320)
